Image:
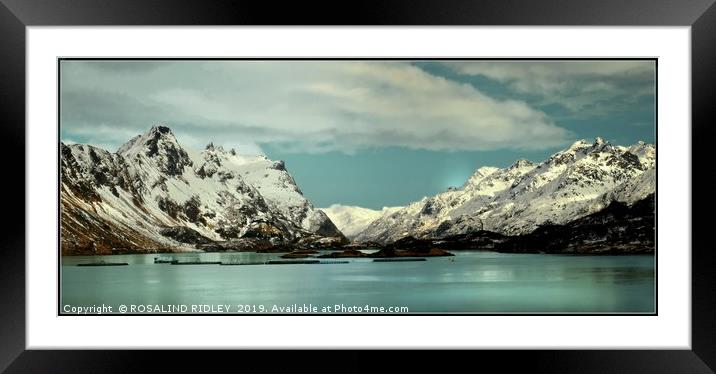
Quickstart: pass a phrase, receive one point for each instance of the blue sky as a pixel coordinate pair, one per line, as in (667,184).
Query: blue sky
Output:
(367,133)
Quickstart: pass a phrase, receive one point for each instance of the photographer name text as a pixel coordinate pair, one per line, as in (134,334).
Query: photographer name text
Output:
(230,309)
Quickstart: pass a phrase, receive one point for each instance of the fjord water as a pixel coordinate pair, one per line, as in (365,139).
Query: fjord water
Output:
(469,282)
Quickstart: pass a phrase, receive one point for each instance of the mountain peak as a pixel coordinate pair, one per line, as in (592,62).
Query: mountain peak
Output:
(579,144)
(161,129)
(158,143)
(521,163)
(156,135)
(479,175)
(602,145)
(641,145)
(585,146)
(486,170)
(646,153)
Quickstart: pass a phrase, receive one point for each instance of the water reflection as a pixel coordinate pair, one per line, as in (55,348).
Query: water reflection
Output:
(472,281)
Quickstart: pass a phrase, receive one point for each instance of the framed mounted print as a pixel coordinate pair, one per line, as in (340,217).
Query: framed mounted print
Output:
(369,141)
(330,187)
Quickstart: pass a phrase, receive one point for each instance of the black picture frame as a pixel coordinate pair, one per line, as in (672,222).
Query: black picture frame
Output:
(16,15)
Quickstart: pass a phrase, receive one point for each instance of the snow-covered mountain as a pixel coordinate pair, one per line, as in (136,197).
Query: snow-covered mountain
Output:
(352,220)
(154,194)
(580,180)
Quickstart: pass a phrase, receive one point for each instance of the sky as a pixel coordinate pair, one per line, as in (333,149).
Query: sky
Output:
(370,133)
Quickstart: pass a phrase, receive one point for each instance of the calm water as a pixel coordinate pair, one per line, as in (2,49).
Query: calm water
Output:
(470,282)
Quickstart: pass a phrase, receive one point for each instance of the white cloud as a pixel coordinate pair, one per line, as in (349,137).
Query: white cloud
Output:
(596,85)
(309,106)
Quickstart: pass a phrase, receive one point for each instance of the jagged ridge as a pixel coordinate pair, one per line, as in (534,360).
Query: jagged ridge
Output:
(580,180)
(130,200)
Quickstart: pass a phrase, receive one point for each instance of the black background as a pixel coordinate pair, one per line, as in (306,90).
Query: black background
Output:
(15,15)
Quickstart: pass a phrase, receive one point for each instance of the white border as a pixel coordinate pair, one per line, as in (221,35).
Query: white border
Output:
(669,330)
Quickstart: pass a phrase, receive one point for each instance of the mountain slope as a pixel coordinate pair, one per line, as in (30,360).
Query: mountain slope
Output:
(617,229)
(126,201)
(580,180)
(352,220)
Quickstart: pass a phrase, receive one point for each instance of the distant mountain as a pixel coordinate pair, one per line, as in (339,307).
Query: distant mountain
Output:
(573,183)
(352,220)
(152,194)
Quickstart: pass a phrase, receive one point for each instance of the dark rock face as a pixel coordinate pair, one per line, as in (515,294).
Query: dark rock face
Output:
(279,165)
(170,207)
(411,243)
(328,228)
(185,235)
(263,230)
(481,239)
(175,162)
(626,160)
(224,176)
(192,210)
(617,229)
(428,209)
(562,159)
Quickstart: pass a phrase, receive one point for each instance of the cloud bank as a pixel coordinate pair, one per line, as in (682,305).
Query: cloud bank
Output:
(304,106)
(590,87)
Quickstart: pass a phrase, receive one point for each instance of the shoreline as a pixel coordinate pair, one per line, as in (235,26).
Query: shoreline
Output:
(334,250)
